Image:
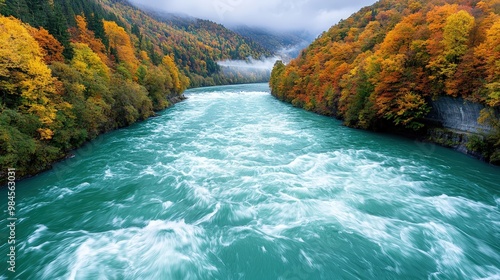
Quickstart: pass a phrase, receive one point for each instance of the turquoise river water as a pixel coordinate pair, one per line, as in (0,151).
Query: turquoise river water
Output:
(233,184)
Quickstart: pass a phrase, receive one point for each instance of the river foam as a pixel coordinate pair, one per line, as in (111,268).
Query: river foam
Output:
(232,184)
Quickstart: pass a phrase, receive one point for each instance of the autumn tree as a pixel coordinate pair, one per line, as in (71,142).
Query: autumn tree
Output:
(119,42)
(276,76)
(489,55)
(88,63)
(131,102)
(179,81)
(81,34)
(31,100)
(456,35)
(381,66)
(51,49)
(26,82)
(159,84)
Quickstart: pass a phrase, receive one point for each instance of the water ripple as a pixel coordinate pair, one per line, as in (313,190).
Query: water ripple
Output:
(232,184)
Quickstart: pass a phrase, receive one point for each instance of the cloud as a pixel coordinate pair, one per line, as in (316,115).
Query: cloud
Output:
(250,64)
(313,15)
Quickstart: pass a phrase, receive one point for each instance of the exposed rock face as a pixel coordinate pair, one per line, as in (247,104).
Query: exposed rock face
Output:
(454,139)
(453,122)
(174,98)
(457,114)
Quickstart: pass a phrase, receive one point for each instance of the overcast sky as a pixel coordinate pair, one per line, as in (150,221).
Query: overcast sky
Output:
(313,15)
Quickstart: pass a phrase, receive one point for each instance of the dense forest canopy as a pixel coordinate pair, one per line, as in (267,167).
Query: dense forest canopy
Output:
(73,69)
(379,68)
(196,45)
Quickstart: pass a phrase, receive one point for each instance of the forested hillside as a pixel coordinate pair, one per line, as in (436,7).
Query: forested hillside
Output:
(380,68)
(71,70)
(215,35)
(284,43)
(196,45)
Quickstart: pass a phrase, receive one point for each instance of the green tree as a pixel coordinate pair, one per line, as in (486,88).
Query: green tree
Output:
(16,146)
(276,75)
(131,102)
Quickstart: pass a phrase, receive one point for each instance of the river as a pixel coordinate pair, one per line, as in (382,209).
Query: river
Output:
(233,184)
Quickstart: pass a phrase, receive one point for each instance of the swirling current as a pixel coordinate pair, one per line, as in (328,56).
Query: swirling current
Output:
(233,184)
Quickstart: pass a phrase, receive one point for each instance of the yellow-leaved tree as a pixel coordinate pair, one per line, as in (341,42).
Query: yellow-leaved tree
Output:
(179,81)
(26,83)
(81,34)
(95,77)
(88,63)
(456,35)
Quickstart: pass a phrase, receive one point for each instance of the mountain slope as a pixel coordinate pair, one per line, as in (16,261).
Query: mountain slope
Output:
(196,44)
(380,68)
(286,44)
(213,34)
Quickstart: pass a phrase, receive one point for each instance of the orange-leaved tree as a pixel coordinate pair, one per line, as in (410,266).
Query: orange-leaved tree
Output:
(121,45)
(81,34)
(52,49)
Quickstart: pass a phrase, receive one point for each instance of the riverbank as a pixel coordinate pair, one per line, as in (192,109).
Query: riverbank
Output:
(451,123)
(70,153)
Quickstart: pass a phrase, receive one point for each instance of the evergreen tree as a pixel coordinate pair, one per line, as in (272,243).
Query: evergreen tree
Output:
(57,26)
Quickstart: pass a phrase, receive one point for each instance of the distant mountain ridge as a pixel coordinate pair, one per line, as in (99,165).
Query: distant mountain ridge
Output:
(217,32)
(196,44)
(287,44)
